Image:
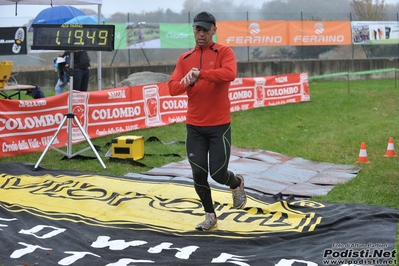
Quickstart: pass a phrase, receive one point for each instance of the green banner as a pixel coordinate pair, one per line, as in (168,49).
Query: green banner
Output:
(120,36)
(176,35)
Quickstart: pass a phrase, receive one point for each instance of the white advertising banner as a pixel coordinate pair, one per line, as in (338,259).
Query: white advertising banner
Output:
(375,32)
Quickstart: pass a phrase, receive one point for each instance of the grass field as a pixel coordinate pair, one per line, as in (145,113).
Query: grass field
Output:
(329,128)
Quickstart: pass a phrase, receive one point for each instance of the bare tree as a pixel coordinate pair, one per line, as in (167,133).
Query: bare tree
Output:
(372,10)
(193,5)
(118,17)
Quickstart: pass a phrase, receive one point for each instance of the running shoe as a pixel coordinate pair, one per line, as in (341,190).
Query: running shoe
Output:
(239,195)
(211,221)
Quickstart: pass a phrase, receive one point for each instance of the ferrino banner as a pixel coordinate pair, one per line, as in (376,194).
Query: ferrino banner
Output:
(282,33)
(28,126)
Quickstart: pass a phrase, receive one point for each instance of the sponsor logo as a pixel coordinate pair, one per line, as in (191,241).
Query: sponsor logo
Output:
(254,37)
(319,28)
(240,95)
(173,35)
(237,81)
(282,91)
(127,203)
(359,254)
(116,113)
(119,94)
(22,123)
(283,79)
(152,106)
(319,36)
(175,105)
(25,104)
(254,28)
(19,38)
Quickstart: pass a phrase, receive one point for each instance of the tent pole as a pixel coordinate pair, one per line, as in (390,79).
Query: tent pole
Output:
(99,65)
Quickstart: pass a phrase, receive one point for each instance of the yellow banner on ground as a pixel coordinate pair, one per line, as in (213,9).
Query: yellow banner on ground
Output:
(160,206)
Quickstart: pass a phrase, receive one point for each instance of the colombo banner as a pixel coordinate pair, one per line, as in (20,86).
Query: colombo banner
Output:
(29,126)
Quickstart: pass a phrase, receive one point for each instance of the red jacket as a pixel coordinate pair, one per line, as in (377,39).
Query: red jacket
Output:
(208,99)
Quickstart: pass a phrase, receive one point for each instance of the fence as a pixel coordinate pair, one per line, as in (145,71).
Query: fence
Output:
(142,55)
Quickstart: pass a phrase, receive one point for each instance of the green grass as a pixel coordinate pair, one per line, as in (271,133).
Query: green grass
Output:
(329,128)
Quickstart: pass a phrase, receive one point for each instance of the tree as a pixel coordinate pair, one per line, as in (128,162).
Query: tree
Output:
(371,10)
(118,17)
(88,11)
(192,5)
(217,8)
(305,9)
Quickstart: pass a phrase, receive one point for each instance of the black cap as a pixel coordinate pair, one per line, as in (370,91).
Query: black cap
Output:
(205,20)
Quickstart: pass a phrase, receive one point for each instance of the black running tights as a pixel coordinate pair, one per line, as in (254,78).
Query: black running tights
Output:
(213,143)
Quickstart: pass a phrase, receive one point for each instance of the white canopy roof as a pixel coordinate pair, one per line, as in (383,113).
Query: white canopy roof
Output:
(51,2)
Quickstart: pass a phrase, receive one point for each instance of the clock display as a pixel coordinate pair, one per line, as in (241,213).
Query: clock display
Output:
(73,37)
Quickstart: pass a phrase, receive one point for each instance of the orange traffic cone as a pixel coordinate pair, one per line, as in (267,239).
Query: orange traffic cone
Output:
(363,154)
(390,149)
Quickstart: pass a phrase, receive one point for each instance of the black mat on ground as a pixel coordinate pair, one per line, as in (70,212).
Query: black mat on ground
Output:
(53,217)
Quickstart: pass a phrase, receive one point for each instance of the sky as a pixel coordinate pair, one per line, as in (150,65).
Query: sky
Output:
(110,7)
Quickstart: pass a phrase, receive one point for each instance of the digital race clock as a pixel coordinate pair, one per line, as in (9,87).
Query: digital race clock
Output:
(73,37)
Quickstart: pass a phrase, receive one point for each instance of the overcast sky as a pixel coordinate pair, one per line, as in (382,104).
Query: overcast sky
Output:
(110,7)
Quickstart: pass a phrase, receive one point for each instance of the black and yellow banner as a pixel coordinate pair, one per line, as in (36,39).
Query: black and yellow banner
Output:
(74,218)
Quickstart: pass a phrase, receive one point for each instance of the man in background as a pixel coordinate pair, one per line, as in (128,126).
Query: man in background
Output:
(62,63)
(81,73)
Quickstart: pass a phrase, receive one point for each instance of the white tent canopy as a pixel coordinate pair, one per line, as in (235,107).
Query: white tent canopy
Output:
(51,2)
(66,3)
